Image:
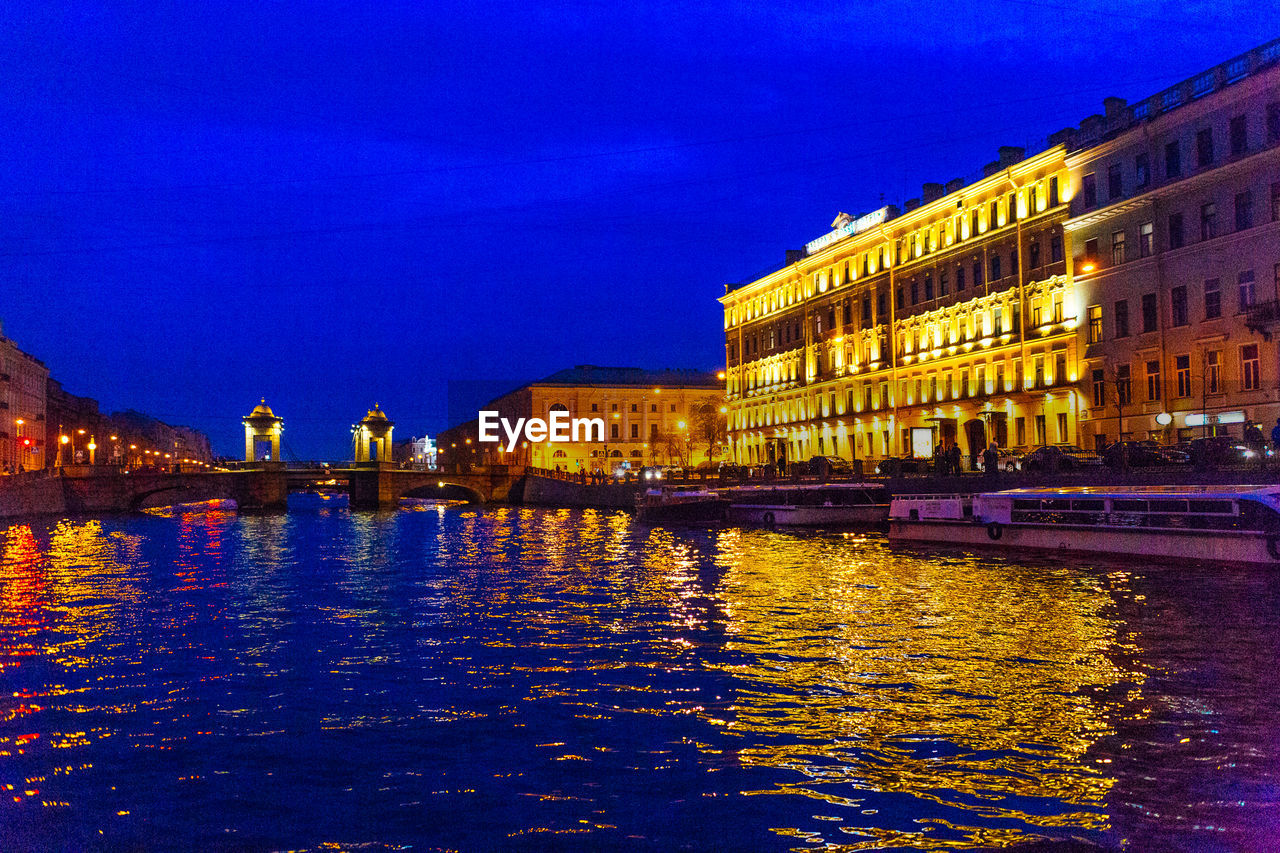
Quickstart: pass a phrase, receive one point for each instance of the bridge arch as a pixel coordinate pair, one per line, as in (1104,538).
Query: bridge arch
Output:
(444,490)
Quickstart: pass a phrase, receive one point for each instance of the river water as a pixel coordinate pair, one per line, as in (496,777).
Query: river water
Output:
(443,677)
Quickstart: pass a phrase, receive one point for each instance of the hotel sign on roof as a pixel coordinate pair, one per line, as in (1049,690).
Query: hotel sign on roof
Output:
(848,229)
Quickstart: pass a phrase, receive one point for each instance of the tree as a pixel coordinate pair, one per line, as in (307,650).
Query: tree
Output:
(711,428)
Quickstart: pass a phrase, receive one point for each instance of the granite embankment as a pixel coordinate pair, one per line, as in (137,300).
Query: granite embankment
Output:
(31,495)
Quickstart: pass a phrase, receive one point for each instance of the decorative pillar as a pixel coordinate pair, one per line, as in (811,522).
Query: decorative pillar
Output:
(262,433)
(372,437)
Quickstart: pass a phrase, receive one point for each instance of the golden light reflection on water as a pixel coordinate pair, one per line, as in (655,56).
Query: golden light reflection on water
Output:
(940,678)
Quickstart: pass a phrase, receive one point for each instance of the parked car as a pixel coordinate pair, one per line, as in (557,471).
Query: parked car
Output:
(897,466)
(830,466)
(1007,460)
(1059,457)
(1139,454)
(1216,450)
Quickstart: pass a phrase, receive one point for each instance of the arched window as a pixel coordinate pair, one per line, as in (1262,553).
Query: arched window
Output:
(559,454)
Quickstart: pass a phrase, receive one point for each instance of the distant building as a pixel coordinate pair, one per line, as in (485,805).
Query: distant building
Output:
(23,381)
(651,417)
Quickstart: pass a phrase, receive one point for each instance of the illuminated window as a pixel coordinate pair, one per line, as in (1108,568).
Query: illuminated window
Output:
(1153,380)
(1182,374)
(1095,323)
(1250,377)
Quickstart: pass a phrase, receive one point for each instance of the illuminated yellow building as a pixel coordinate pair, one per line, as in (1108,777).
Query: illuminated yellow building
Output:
(651,417)
(953,321)
(23,383)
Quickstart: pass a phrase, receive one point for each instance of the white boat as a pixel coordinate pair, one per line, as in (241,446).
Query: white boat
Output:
(1219,524)
(808,504)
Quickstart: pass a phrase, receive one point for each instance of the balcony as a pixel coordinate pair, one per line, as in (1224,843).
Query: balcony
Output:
(1261,316)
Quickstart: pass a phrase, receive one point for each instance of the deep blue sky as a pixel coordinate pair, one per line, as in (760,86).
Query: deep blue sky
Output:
(336,204)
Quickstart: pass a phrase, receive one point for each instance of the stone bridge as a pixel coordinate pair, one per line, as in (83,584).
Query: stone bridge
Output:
(261,486)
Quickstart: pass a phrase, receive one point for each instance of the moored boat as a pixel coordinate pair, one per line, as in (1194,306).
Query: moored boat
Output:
(680,505)
(1221,524)
(809,504)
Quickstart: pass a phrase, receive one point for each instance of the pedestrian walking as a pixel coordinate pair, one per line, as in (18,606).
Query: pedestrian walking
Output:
(991,462)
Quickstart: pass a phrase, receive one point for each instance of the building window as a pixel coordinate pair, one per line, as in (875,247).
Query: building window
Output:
(1248,296)
(1204,148)
(653,407)
(635,430)
(613,431)
(1020,431)
(1122,318)
(1172,161)
(995,268)
(1099,389)
(1091,251)
(1212,299)
(1208,221)
(1177,239)
(1095,323)
(1239,136)
(1146,239)
(1250,379)
(1244,210)
(1149,320)
(880,309)
(1212,371)
(915,292)
(1036,317)
(897,298)
(653,431)
(1182,373)
(1034,250)
(977,274)
(1057,307)
(635,407)
(1055,248)
(1115,184)
(1037,364)
(1124,385)
(1053,191)
(1013,262)
(1013,207)
(613,407)
(1142,170)
(1178,305)
(959,279)
(1153,380)
(1090,191)
(1273,123)
(1117,248)
(1062,427)
(595,407)
(928,288)
(997,320)
(1041,438)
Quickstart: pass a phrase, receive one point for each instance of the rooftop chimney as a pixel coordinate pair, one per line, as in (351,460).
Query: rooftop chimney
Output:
(1114,106)
(931,192)
(1010,154)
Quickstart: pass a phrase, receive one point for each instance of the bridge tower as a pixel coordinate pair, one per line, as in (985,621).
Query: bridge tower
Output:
(372,437)
(262,434)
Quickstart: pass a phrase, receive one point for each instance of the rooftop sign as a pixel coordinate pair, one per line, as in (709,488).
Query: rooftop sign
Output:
(848,229)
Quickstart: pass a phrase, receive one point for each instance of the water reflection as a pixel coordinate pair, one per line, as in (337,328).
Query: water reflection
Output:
(495,677)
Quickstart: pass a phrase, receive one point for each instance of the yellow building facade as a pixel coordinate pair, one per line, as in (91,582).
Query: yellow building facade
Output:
(650,417)
(954,322)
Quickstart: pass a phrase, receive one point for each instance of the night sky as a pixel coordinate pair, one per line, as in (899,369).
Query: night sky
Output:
(337,204)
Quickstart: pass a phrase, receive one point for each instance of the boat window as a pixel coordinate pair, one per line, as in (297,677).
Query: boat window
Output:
(1090,504)
(1168,505)
(1057,503)
(1212,506)
(1126,505)
(1026,503)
